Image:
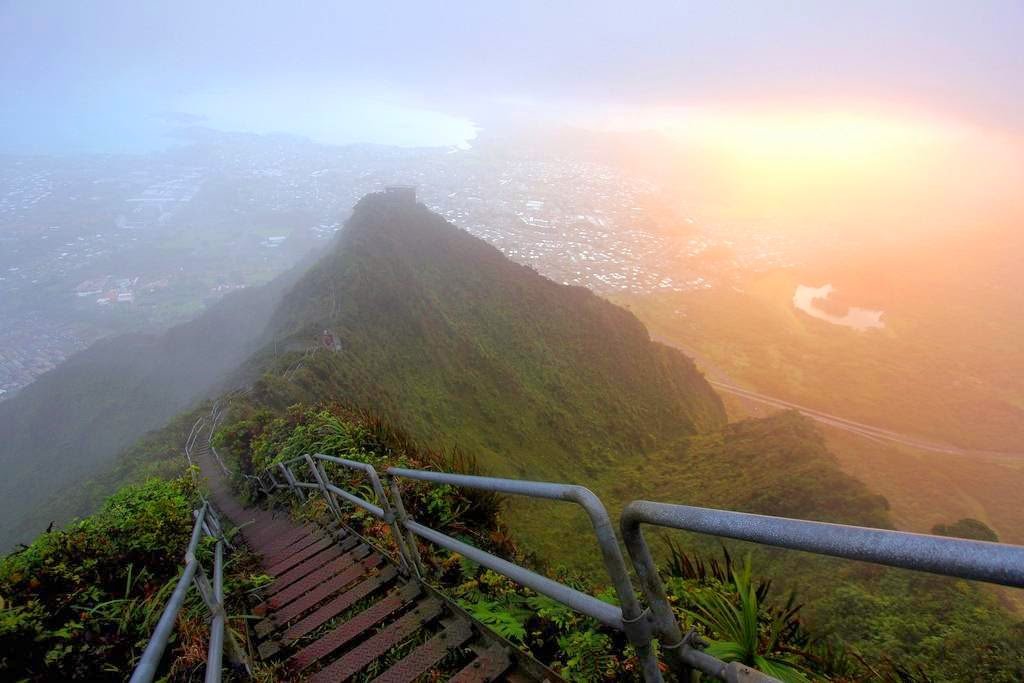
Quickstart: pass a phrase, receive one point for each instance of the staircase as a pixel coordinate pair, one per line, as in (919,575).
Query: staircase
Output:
(338,609)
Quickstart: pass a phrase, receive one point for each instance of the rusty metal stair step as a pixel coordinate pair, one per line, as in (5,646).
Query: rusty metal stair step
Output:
(314,579)
(488,665)
(353,662)
(287,538)
(296,541)
(355,626)
(341,603)
(284,564)
(269,533)
(325,590)
(310,565)
(427,655)
(281,544)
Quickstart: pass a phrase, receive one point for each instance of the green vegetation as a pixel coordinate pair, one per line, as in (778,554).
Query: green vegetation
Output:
(578,647)
(469,353)
(967,528)
(777,465)
(444,335)
(81,603)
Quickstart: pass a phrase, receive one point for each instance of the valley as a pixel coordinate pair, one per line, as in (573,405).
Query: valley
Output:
(763,357)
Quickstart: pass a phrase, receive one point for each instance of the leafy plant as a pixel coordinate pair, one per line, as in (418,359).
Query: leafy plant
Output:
(508,621)
(739,631)
(552,610)
(588,656)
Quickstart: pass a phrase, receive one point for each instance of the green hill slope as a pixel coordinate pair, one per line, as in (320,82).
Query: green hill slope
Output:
(70,423)
(463,347)
(441,334)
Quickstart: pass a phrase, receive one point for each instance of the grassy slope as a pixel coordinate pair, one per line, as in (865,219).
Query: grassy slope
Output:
(470,349)
(69,424)
(447,338)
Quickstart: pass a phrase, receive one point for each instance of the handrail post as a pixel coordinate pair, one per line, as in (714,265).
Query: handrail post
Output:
(327,480)
(384,511)
(299,493)
(216,651)
(403,552)
(321,482)
(682,657)
(401,519)
(635,621)
(654,590)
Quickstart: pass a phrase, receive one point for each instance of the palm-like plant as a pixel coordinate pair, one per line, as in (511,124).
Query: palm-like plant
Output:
(738,625)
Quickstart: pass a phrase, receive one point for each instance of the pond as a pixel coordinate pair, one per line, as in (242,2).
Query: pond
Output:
(857,318)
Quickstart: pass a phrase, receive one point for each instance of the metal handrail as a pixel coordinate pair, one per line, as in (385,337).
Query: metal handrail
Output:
(409,559)
(629,618)
(213,596)
(216,415)
(977,560)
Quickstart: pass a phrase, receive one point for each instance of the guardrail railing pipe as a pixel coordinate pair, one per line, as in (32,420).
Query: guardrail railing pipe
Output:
(322,483)
(385,511)
(154,652)
(216,651)
(634,621)
(402,518)
(145,670)
(977,560)
(290,478)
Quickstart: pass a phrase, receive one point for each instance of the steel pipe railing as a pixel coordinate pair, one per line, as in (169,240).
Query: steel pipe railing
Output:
(216,650)
(608,614)
(630,618)
(408,558)
(978,560)
(205,520)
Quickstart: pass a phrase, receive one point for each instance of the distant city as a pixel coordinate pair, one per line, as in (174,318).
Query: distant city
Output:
(96,245)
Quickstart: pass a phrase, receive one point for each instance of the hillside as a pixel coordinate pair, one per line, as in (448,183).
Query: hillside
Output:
(463,347)
(409,321)
(69,425)
(439,333)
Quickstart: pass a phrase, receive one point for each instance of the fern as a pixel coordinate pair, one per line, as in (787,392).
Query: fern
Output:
(509,623)
(552,610)
(588,656)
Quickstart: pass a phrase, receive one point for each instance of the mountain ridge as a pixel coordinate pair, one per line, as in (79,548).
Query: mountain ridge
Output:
(426,312)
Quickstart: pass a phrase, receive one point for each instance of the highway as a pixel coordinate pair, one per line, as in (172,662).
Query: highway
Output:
(856,427)
(717,378)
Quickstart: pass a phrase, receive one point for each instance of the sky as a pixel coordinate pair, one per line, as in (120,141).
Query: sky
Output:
(475,61)
(798,91)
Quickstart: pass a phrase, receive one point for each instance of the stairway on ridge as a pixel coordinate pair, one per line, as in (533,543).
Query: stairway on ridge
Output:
(338,609)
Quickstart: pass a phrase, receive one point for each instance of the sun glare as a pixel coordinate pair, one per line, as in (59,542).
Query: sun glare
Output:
(809,166)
